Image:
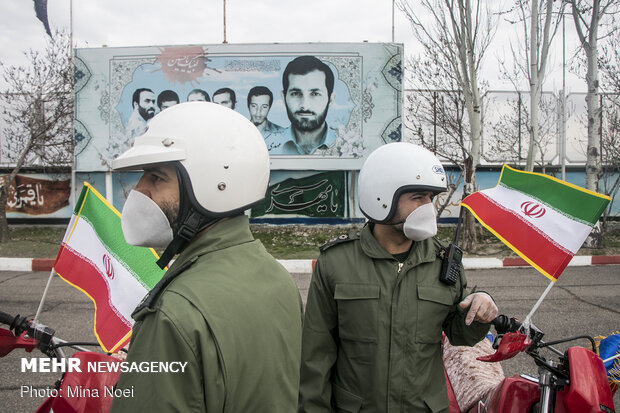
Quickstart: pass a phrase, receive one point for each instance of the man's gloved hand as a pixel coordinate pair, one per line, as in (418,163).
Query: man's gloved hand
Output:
(482,308)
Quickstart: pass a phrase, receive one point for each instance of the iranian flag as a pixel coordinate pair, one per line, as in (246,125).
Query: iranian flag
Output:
(541,218)
(95,259)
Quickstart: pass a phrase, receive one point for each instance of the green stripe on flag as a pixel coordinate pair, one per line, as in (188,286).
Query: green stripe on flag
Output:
(578,203)
(106,220)
(80,200)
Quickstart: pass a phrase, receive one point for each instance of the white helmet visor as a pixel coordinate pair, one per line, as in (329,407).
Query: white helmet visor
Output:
(149,150)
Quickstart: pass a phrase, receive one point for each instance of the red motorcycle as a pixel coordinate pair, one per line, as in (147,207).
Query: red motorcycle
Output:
(571,381)
(576,381)
(69,394)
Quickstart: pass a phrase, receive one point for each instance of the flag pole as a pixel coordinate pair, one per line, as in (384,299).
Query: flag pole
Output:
(47,286)
(526,322)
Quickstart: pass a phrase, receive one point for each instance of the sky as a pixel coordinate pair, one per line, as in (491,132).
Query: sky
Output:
(120,23)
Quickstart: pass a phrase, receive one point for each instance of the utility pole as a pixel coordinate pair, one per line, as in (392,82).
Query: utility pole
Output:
(72,63)
(393,20)
(563,101)
(224,13)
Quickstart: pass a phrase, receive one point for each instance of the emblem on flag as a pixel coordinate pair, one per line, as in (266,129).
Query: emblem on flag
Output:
(109,267)
(532,209)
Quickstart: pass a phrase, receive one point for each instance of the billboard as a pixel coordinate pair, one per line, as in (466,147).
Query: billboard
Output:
(38,196)
(319,106)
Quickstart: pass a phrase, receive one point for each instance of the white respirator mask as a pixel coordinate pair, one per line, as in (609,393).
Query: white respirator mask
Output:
(143,222)
(421,224)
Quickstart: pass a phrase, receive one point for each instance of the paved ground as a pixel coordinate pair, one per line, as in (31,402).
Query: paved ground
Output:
(585,300)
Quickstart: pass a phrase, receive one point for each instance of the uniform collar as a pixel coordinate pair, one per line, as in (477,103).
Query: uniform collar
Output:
(223,234)
(371,246)
(422,251)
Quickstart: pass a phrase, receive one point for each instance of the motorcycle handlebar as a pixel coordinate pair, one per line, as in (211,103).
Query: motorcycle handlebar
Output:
(39,332)
(16,323)
(43,334)
(6,318)
(504,324)
(20,324)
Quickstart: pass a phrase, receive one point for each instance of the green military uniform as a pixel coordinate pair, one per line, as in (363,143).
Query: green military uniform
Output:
(373,329)
(234,314)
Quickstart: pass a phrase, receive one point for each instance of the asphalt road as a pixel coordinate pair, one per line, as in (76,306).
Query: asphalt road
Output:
(585,300)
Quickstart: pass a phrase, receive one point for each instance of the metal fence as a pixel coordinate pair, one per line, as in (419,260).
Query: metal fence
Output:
(439,118)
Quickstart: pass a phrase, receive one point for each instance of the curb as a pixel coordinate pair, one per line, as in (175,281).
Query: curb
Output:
(305,266)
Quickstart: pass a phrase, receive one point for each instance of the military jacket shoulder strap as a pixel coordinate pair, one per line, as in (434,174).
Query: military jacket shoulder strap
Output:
(440,248)
(340,240)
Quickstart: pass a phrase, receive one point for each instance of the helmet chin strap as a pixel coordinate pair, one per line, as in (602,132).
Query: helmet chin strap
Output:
(192,222)
(192,225)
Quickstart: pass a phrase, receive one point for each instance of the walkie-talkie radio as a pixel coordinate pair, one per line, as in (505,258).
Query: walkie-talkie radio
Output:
(453,255)
(451,266)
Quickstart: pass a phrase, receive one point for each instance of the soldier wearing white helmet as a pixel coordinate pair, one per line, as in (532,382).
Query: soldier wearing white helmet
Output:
(376,305)
(225,307)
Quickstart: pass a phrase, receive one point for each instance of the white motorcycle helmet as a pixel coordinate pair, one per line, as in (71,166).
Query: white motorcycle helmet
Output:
(221,158)
(392,170)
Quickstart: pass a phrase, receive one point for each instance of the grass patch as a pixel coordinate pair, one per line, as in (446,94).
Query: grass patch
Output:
(32,241)
(282,241)
(298,241)
(611,238)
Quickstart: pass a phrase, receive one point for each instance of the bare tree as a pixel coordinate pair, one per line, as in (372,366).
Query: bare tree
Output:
(454,35)
(505,142)
(539,53)
(539,22)
(589,16)
(610,150)
(437,120)
(505,135)
(38,112)
(609,63)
